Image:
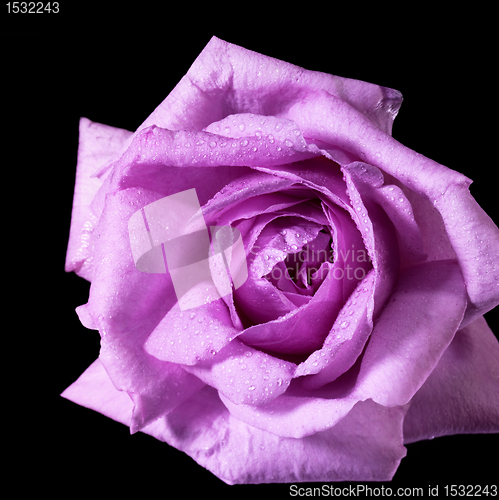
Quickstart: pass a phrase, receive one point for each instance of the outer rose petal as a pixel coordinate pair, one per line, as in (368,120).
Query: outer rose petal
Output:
(417,324)
(94,390)
(226,79)
(365,446)
(97,144)
(461,395)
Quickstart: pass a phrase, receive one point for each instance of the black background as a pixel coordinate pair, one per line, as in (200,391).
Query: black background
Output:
(114,66)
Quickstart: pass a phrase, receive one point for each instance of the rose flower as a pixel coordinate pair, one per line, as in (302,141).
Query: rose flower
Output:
(283,291)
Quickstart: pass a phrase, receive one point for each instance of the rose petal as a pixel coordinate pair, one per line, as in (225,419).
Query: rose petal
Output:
(245,375)
(460,396)
(126,305)
(399,210)
(365,446)
(416,326)
(472,234)
(155,387)
(117,282)
(187,337)
(404,347)
(227,79)
(303,329)
(97,144)
(153,148)
(300,412)
(320,174)
(94,390)
(345,341)
(353,325)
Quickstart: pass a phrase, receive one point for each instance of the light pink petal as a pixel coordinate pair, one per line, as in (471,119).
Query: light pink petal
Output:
(353,325)
(126,305)
(473,235)
(320,174)
(300,412)
(400,212)
(461,395)
(416,326)
(406,344)
(345,341)
(365,446)
(304,328)
(156,387)
(260,189)
(187,337)
(118,283)
(257,297)
(245,375)
(97,144)
(379,235)
(155,147)
(226,79)
(94,390)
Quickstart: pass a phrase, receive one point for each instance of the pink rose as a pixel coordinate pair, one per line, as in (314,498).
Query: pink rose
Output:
(356,324)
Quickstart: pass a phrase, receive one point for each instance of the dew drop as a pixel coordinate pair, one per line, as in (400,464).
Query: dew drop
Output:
(288,143)
(244,142)
(251,388)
